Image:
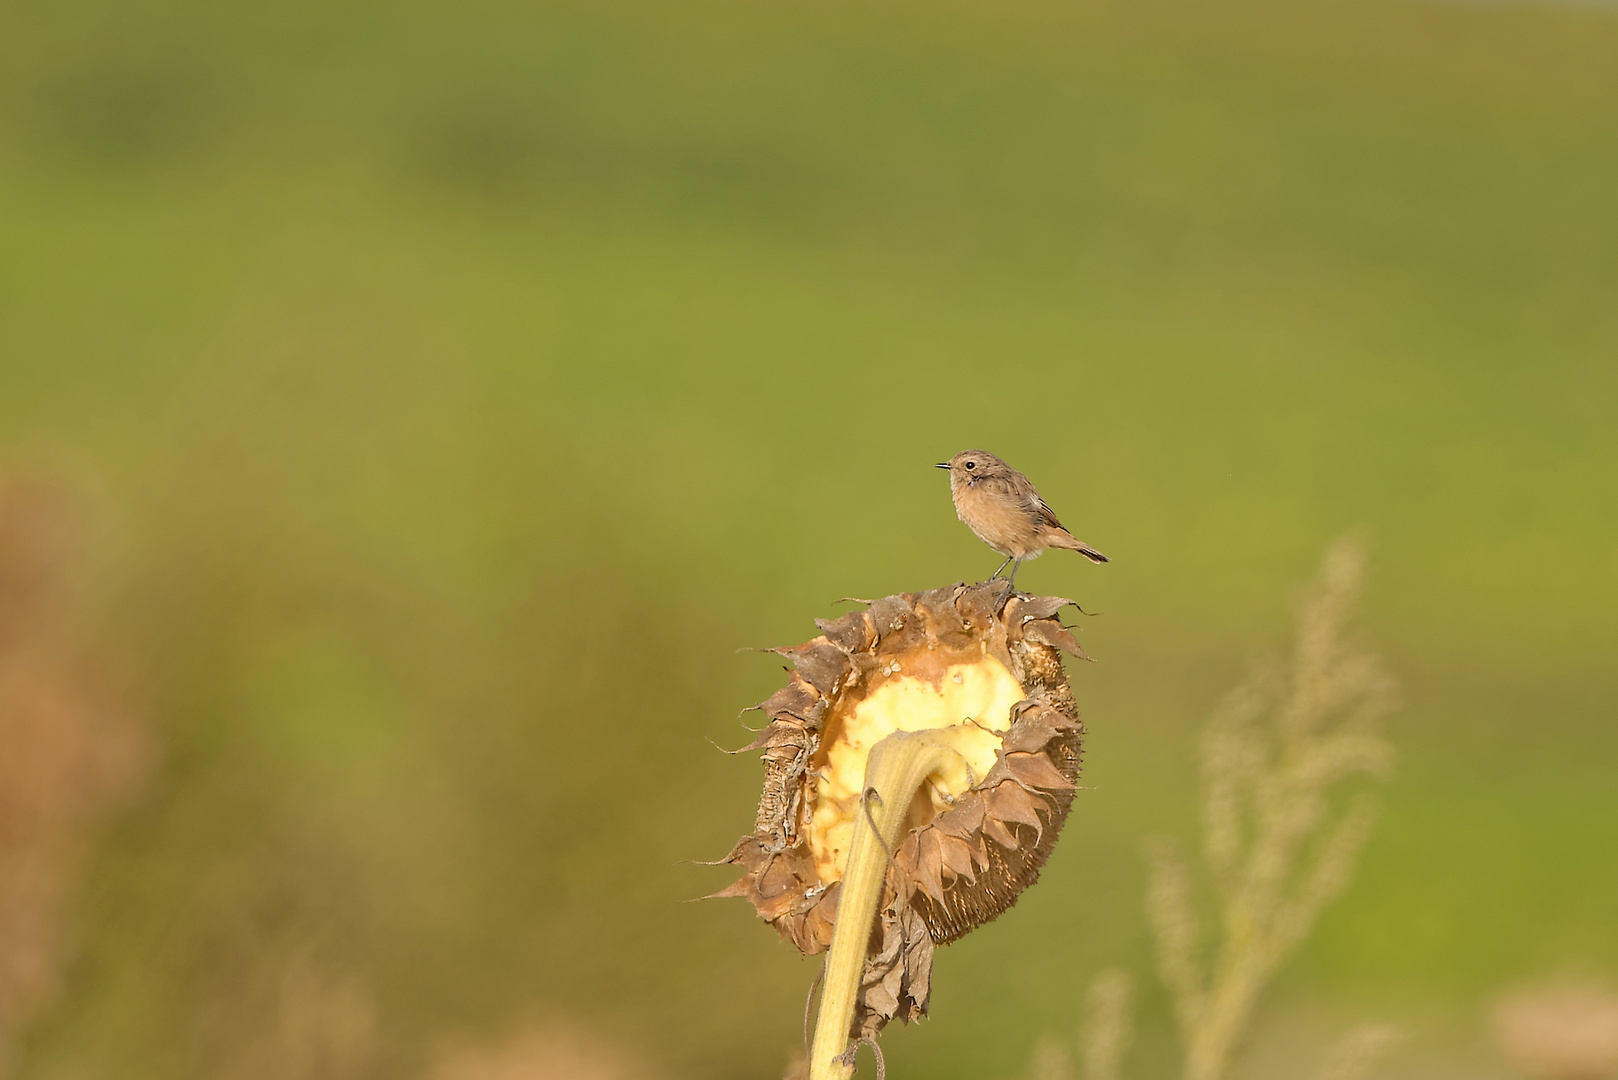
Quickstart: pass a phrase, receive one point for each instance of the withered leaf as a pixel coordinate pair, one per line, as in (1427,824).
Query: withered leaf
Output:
(1012,802)
(851,633)
(938,612)
(1054,634)
(1032,731)
(889,614)
(818,661)
(1035,607)
(957,856)
(1036,770)
(996,829)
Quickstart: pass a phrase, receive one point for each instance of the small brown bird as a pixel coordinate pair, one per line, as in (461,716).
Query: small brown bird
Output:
(1002,508)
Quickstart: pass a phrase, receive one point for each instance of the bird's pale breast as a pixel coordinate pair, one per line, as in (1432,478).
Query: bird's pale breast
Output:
(999,519)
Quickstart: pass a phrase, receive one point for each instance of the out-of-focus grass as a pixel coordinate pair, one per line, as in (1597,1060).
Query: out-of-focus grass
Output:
(461,388)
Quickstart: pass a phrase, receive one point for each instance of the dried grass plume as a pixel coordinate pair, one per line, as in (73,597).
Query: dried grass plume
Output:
(1108,1024)
(1277,844)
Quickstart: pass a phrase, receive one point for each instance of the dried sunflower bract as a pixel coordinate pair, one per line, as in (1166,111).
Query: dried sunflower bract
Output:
(978,669)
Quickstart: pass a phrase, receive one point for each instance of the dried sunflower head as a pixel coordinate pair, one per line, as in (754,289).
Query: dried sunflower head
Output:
(977,667)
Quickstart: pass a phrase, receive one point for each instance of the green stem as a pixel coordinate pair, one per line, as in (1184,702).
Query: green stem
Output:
(896,767)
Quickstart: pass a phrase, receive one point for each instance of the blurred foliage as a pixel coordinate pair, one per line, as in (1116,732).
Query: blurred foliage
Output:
(453,391)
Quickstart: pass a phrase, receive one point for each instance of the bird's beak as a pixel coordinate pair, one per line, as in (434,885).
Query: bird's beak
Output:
(942,465)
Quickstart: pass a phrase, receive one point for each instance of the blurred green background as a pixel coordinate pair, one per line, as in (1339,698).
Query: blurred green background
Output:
(454,390)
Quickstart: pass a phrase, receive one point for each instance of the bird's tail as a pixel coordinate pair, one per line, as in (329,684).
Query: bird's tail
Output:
(1073,543)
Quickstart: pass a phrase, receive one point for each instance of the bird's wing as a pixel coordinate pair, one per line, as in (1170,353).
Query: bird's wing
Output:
(1045,514)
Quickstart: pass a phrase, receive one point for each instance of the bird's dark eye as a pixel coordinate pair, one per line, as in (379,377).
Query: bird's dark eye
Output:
(971,464)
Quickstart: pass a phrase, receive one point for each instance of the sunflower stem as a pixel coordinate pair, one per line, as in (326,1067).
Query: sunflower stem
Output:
(896,767)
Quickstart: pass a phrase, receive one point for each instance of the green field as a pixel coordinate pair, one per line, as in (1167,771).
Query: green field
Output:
(452,392)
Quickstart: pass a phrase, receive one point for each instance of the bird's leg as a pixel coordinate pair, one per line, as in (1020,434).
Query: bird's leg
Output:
(1002,567)
(1014,568)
